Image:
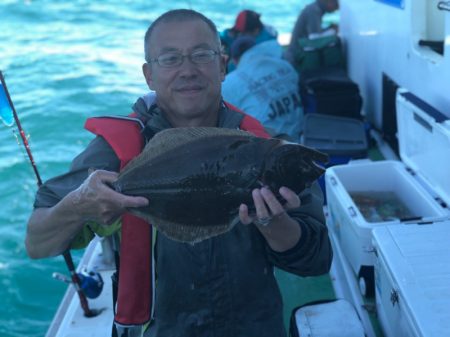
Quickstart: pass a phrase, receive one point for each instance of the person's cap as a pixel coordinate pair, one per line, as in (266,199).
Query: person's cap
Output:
(247,20)
(241,45)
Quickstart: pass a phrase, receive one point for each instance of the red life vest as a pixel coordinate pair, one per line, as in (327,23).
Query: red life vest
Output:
(136,272)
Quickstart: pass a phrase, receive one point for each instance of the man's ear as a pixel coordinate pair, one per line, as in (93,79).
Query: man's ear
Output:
(147,71)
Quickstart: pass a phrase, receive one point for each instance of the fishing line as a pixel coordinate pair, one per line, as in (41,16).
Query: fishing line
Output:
(16,137)
(7,106)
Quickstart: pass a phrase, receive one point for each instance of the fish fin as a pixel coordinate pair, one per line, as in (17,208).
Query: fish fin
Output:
(169,139)
(185,232)
(309,152)
(315,154)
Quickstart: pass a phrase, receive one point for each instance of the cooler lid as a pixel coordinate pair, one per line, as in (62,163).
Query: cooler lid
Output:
(424,142)
(335,135)
(416,257)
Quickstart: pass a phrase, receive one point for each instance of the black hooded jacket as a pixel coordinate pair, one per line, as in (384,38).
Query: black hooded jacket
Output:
(224,286)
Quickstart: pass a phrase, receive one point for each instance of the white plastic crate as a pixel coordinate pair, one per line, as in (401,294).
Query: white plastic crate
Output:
(412,279)
(420,181)
(328,319)
(351,227)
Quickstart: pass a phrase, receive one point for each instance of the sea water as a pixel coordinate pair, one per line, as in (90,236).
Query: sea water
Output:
(65,61)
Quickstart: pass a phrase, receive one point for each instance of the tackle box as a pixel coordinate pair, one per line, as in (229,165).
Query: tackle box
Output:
(412,279)
(341,138)
(364,195)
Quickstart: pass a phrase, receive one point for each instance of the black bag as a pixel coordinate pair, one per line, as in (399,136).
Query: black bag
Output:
(330,92)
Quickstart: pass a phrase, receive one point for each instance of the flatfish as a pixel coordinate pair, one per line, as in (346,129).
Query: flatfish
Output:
(195,178)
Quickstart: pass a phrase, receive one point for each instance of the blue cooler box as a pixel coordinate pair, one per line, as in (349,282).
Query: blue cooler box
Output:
(341,138)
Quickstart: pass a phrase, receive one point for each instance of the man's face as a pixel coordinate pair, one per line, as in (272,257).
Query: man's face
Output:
(187,92)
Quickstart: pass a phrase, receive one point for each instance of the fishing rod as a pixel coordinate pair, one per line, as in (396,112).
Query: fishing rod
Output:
(6,108)
(19,127)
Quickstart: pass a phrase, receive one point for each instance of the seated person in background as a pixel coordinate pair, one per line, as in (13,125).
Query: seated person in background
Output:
(265,86)
(247,23)
(310,22)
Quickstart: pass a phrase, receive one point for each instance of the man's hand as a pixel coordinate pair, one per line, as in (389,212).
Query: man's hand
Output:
(97,201)
(267,206)
(51,230)
(280,230)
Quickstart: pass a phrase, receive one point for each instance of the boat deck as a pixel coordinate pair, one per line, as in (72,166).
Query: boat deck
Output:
(69,320)
(340,282)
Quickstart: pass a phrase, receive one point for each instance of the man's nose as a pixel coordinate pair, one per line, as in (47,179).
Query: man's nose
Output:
(187,66)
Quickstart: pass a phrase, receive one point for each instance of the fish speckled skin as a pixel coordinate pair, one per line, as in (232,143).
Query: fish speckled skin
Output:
(196,178)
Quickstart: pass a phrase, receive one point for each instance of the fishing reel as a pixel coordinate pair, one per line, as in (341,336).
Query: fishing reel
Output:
(90,282)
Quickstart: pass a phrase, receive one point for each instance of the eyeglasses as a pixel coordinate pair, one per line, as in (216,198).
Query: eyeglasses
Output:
(172,60)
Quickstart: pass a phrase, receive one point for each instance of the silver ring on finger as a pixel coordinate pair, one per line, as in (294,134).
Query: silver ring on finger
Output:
(264,221)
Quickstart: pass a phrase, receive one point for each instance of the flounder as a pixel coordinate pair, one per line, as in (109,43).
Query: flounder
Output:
(195,178)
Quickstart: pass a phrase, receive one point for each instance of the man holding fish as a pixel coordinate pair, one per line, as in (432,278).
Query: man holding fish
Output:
(221,283)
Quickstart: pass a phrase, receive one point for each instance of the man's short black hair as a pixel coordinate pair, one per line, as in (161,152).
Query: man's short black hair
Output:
(172,16)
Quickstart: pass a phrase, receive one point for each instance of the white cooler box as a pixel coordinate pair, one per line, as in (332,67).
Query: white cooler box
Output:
(412,279)
(416,190)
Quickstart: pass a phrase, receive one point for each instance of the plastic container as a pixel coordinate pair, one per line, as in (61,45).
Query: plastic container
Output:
(418,187)
(329,319)
(412,277)
(341,138)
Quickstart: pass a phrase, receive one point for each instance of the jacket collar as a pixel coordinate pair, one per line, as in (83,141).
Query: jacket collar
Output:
(156,120)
